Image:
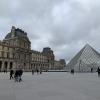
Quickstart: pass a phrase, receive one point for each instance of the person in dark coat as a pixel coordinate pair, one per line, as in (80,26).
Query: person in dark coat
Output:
(20,75)
(37,71)
(4,71)
(16,76)
(91,70)
(32,71)
(72,71)
(40,70)
(11,74)
(98,70)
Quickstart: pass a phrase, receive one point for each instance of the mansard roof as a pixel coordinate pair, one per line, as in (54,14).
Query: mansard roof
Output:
(18,33)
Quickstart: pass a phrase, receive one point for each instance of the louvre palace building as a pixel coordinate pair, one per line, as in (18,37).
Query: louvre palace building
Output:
(16,52)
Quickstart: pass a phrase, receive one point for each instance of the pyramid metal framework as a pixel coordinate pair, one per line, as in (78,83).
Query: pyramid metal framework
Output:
(87,59)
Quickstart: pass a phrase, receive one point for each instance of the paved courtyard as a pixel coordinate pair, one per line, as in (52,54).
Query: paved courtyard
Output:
(51,86)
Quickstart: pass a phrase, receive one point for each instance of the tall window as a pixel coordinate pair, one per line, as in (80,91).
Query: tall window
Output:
(11,65)
(7,54)
(0,47)
(13,55)
(0,54)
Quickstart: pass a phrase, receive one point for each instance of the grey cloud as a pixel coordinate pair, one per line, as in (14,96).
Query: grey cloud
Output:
(64,25)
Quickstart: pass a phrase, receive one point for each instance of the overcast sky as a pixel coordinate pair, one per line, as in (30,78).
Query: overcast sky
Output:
(64,25)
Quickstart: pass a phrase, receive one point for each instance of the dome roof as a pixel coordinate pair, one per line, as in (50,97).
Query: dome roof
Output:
(17,33)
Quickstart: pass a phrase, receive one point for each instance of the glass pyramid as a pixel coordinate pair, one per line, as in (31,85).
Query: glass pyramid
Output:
(85,60)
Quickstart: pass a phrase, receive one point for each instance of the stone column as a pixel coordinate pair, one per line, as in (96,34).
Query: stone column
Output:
(8,66)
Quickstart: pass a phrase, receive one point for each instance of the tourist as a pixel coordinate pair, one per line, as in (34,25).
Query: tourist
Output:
(40,70)
(37,71)
(72,71)
(98,70)
(16,76)
(20,72)
(91,70)
(4,71)
(32,71)
(11,74)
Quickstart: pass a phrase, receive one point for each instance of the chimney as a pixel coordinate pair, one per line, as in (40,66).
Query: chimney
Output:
(13,31)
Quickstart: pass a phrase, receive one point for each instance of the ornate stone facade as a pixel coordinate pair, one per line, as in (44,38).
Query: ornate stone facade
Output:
(59,65)
(50,57)
(15,52)
(39,60)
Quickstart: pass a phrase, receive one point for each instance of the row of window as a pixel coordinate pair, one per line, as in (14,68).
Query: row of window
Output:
(39,56)
(6,54)
(39,59)
(13,55)
(5,48)
(14,43)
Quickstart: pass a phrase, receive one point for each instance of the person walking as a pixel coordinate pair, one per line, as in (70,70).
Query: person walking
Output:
(16,76)
(11,74)
(98,70)
(72,71)
(32,71)
(40,70)
(91,70)
(20,75)
(37,71)
(4,71)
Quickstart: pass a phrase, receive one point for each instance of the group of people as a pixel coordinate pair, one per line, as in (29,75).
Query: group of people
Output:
(17,75)
(37,71)
(98,70)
